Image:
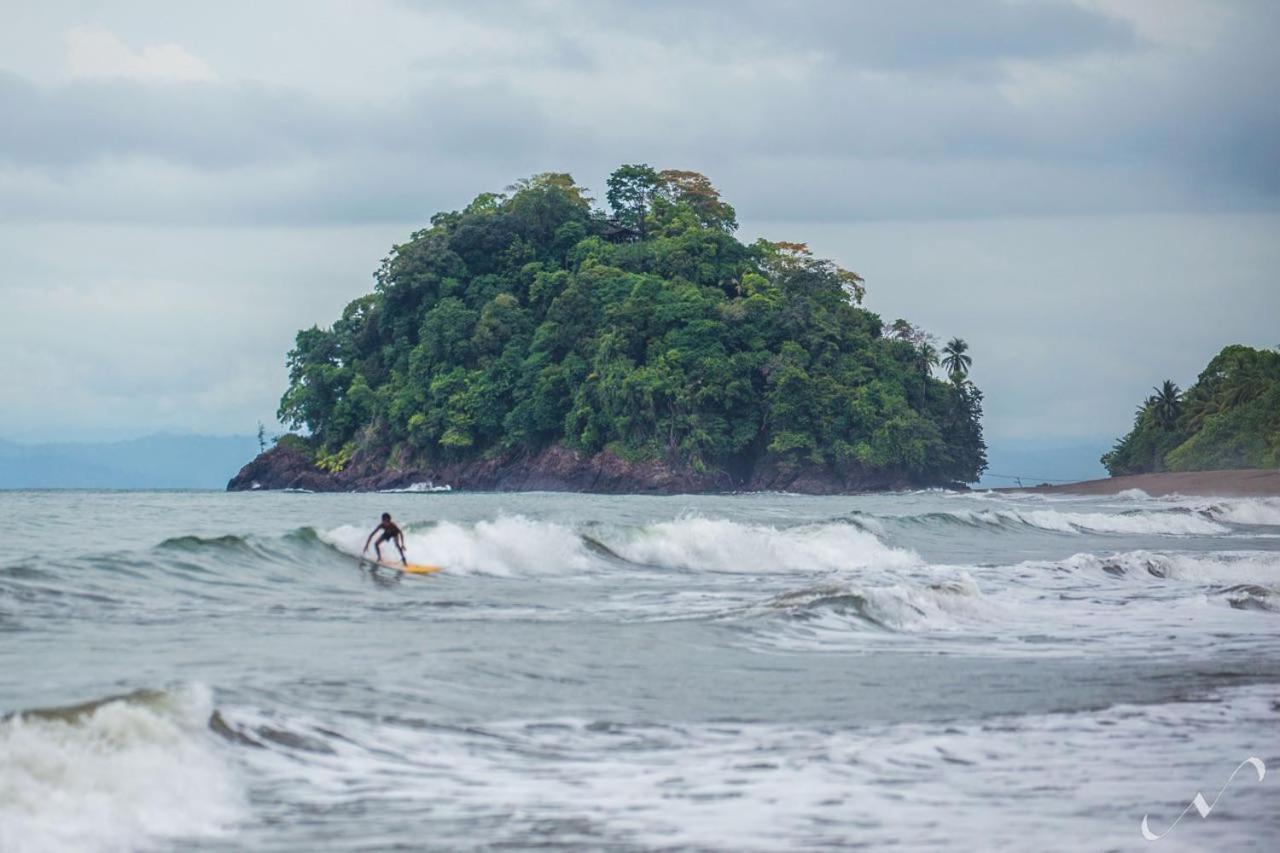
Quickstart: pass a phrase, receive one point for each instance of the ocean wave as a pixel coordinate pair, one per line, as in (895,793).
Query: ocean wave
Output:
(1133,495)
(901,607)
(1246,511)
(116,774)
(1252,597)
(720,545)
(519,546)
(417,488)
(1174,522)
(508,546)
(593,781)
(1257,568)
(231,543)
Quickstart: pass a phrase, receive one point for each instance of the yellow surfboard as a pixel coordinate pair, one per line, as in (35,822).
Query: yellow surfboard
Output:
(411,568)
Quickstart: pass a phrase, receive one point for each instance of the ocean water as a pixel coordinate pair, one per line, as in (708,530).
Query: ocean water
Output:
(207,671)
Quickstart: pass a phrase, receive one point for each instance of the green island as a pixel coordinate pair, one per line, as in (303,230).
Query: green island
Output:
(1228,419)
(535,340)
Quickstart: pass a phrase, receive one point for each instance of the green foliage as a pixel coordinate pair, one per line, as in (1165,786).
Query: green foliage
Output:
(292,441)
(529,318)
(338,460)
(631,190)
(955,358)
(1230,418)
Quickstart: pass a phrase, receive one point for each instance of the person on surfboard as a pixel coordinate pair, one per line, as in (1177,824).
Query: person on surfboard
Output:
(390,533)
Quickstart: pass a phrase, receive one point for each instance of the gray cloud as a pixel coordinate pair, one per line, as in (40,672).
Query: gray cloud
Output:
(1059,185)
(1071,320)
(906,34)
(224,126)
(910,110)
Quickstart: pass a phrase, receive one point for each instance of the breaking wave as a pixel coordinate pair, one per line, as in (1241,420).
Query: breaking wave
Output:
(897,607)
(416,488)
(1163,523)
(518,546)
(719,545)
(508,546)
(1246,511)
(1244,580)
(117,774)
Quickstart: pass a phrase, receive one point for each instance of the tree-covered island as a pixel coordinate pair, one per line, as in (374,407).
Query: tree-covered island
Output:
(1229,418)
(532,340)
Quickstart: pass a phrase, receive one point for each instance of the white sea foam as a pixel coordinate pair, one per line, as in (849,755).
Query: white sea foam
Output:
(508,545)
(121,776)
(909,607)
(1133,495)
(415,488)
(1087,775)
(1248,511)
(518,546)
(1161,523)
(1218,567)
(719,545)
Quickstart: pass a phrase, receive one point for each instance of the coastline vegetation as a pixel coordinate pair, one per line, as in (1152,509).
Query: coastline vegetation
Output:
(531,318)
(1230,418)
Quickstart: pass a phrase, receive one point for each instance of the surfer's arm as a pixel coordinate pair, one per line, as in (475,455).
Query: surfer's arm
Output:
(370,539)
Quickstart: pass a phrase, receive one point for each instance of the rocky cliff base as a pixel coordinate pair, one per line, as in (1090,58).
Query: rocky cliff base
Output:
(557,469)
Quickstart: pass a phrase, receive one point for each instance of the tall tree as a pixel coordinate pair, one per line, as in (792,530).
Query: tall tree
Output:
(630,193)
(678,186)
(1166,404)
(955,359)
(926,360)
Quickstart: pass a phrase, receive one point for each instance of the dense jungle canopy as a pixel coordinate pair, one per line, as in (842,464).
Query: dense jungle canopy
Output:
(1230,418)
(531,318)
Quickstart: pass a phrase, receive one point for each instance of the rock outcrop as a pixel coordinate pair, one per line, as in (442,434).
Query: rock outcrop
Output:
(557,468)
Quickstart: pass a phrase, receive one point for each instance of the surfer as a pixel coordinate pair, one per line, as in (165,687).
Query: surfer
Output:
(390,533)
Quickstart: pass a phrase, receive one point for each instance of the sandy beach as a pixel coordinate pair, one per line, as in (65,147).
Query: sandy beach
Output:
(1238,483)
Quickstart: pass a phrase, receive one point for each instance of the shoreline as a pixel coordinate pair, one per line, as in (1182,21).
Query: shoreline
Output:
(1238,483)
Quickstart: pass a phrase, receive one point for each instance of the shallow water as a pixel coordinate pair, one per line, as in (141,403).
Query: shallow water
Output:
(750,672)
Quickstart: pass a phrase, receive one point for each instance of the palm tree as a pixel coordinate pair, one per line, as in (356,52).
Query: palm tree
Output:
(1166,404)
(926,357)
(926,360)
(1242,385)
(955,360)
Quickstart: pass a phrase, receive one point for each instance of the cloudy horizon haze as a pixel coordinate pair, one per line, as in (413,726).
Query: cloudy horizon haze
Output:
(1088,192)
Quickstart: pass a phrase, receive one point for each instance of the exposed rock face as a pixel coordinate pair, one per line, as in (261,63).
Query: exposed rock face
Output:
(283,467)
(558,468)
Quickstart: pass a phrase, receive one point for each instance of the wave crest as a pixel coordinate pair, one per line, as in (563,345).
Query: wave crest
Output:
(115,774)
(1247,511)
(1232,567)
(1157,522)
(720,545)
(518,546)
(509,545)
(898,607)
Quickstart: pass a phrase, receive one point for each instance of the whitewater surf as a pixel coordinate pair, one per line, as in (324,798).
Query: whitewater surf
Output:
(735,672)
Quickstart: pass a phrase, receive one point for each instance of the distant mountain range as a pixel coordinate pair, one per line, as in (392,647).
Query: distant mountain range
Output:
(163,461)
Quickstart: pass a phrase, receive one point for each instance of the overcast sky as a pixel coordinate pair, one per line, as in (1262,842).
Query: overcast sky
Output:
(1088,192)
